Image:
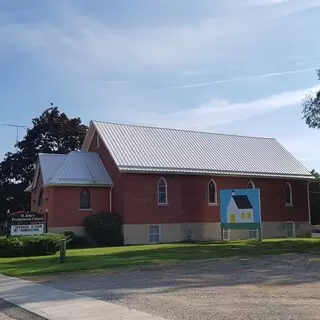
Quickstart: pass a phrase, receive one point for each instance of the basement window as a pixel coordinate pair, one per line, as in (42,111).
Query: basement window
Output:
(226,234)
(290,229)
(253,234)
(154,233)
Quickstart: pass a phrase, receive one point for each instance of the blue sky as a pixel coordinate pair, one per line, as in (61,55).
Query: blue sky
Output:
(227,66)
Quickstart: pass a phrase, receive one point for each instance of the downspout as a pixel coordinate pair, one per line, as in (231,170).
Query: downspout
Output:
(309,204)
(110,199)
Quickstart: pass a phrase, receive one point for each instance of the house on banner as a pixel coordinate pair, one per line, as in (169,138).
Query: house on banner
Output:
(165,183)
(240,210)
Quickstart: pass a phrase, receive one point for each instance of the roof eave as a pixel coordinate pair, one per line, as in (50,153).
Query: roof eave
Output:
(213,172)
(78,185)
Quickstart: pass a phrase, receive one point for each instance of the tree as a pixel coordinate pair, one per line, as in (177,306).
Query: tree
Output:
(311,108)
(52,132)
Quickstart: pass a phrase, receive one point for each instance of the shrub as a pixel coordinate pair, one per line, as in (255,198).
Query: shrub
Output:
(105,228)
(26,246)
(76,242)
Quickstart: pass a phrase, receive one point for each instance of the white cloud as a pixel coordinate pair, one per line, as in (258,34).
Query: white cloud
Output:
(86,45)
(269,2)
(259,76)
(219,112)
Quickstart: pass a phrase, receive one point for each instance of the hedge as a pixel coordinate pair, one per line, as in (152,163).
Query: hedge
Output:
(76,242)
(27,246)
(104,228)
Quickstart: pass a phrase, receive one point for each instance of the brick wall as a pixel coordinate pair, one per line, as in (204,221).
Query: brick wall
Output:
(135,196)
(66,210)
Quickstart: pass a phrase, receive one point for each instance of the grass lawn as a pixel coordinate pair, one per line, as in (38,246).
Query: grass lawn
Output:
(132,256)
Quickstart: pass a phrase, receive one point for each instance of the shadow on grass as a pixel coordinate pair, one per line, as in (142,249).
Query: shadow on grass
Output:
(111,258)
(244,267)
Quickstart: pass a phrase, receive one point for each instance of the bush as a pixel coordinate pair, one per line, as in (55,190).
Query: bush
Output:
(26,246)
(76,242)
(105,228)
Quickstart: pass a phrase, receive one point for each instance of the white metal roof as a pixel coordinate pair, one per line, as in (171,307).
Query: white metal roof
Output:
(151,149)
(75,168)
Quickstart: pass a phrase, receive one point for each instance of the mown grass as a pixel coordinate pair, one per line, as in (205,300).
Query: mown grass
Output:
(132,256)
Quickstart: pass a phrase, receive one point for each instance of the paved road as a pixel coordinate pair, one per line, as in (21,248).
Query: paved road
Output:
(262,288)
(10,312)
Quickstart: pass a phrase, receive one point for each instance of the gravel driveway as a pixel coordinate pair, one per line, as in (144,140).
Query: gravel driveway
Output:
(269,287)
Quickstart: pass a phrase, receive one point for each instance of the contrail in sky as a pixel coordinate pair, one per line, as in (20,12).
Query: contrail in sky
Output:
(266,75)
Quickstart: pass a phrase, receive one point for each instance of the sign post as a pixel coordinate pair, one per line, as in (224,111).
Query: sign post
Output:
(240,210)
(24,223)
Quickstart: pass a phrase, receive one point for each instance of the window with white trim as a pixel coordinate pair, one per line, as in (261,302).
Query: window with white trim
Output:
(250,185)
(288,193)
(154,233)
(162,191)
(212,192)
(226,234)
(253,234)
(290,229)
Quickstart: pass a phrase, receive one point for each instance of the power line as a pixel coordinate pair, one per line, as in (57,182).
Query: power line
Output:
(17,126)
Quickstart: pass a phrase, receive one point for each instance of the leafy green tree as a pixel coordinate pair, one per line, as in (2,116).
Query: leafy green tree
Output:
(52,132)
(311,108)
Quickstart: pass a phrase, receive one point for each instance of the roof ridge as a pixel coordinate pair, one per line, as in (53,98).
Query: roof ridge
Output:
(183,130)
(57,174)
(52,154)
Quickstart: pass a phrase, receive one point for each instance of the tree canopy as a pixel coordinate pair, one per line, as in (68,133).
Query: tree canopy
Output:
(311,108)
(52,132)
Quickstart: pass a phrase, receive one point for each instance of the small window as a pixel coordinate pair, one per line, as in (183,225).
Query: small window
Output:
(212,192)
(288,194)
(290,229)
(162,191)
(251,185)
(226,234)
(85,199)
(154,234)
(253,234)
(40,199)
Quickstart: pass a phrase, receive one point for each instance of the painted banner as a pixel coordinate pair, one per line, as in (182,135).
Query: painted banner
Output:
(240,209)
(24,223)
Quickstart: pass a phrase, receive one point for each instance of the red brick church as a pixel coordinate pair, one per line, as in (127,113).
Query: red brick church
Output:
(165,183)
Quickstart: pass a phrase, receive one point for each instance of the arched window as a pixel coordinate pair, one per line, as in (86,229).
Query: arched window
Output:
(212,192)
(40,199)
(288,193)
(85,199)
(251,185)
(162,191)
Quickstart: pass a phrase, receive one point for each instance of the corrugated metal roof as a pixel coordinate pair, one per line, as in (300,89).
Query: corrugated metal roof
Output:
(151,149)
(50,163)
(75,168)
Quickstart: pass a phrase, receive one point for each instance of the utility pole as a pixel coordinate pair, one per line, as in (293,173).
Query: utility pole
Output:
(17,126)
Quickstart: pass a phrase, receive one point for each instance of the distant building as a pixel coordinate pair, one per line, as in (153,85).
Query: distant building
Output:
(165,183)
